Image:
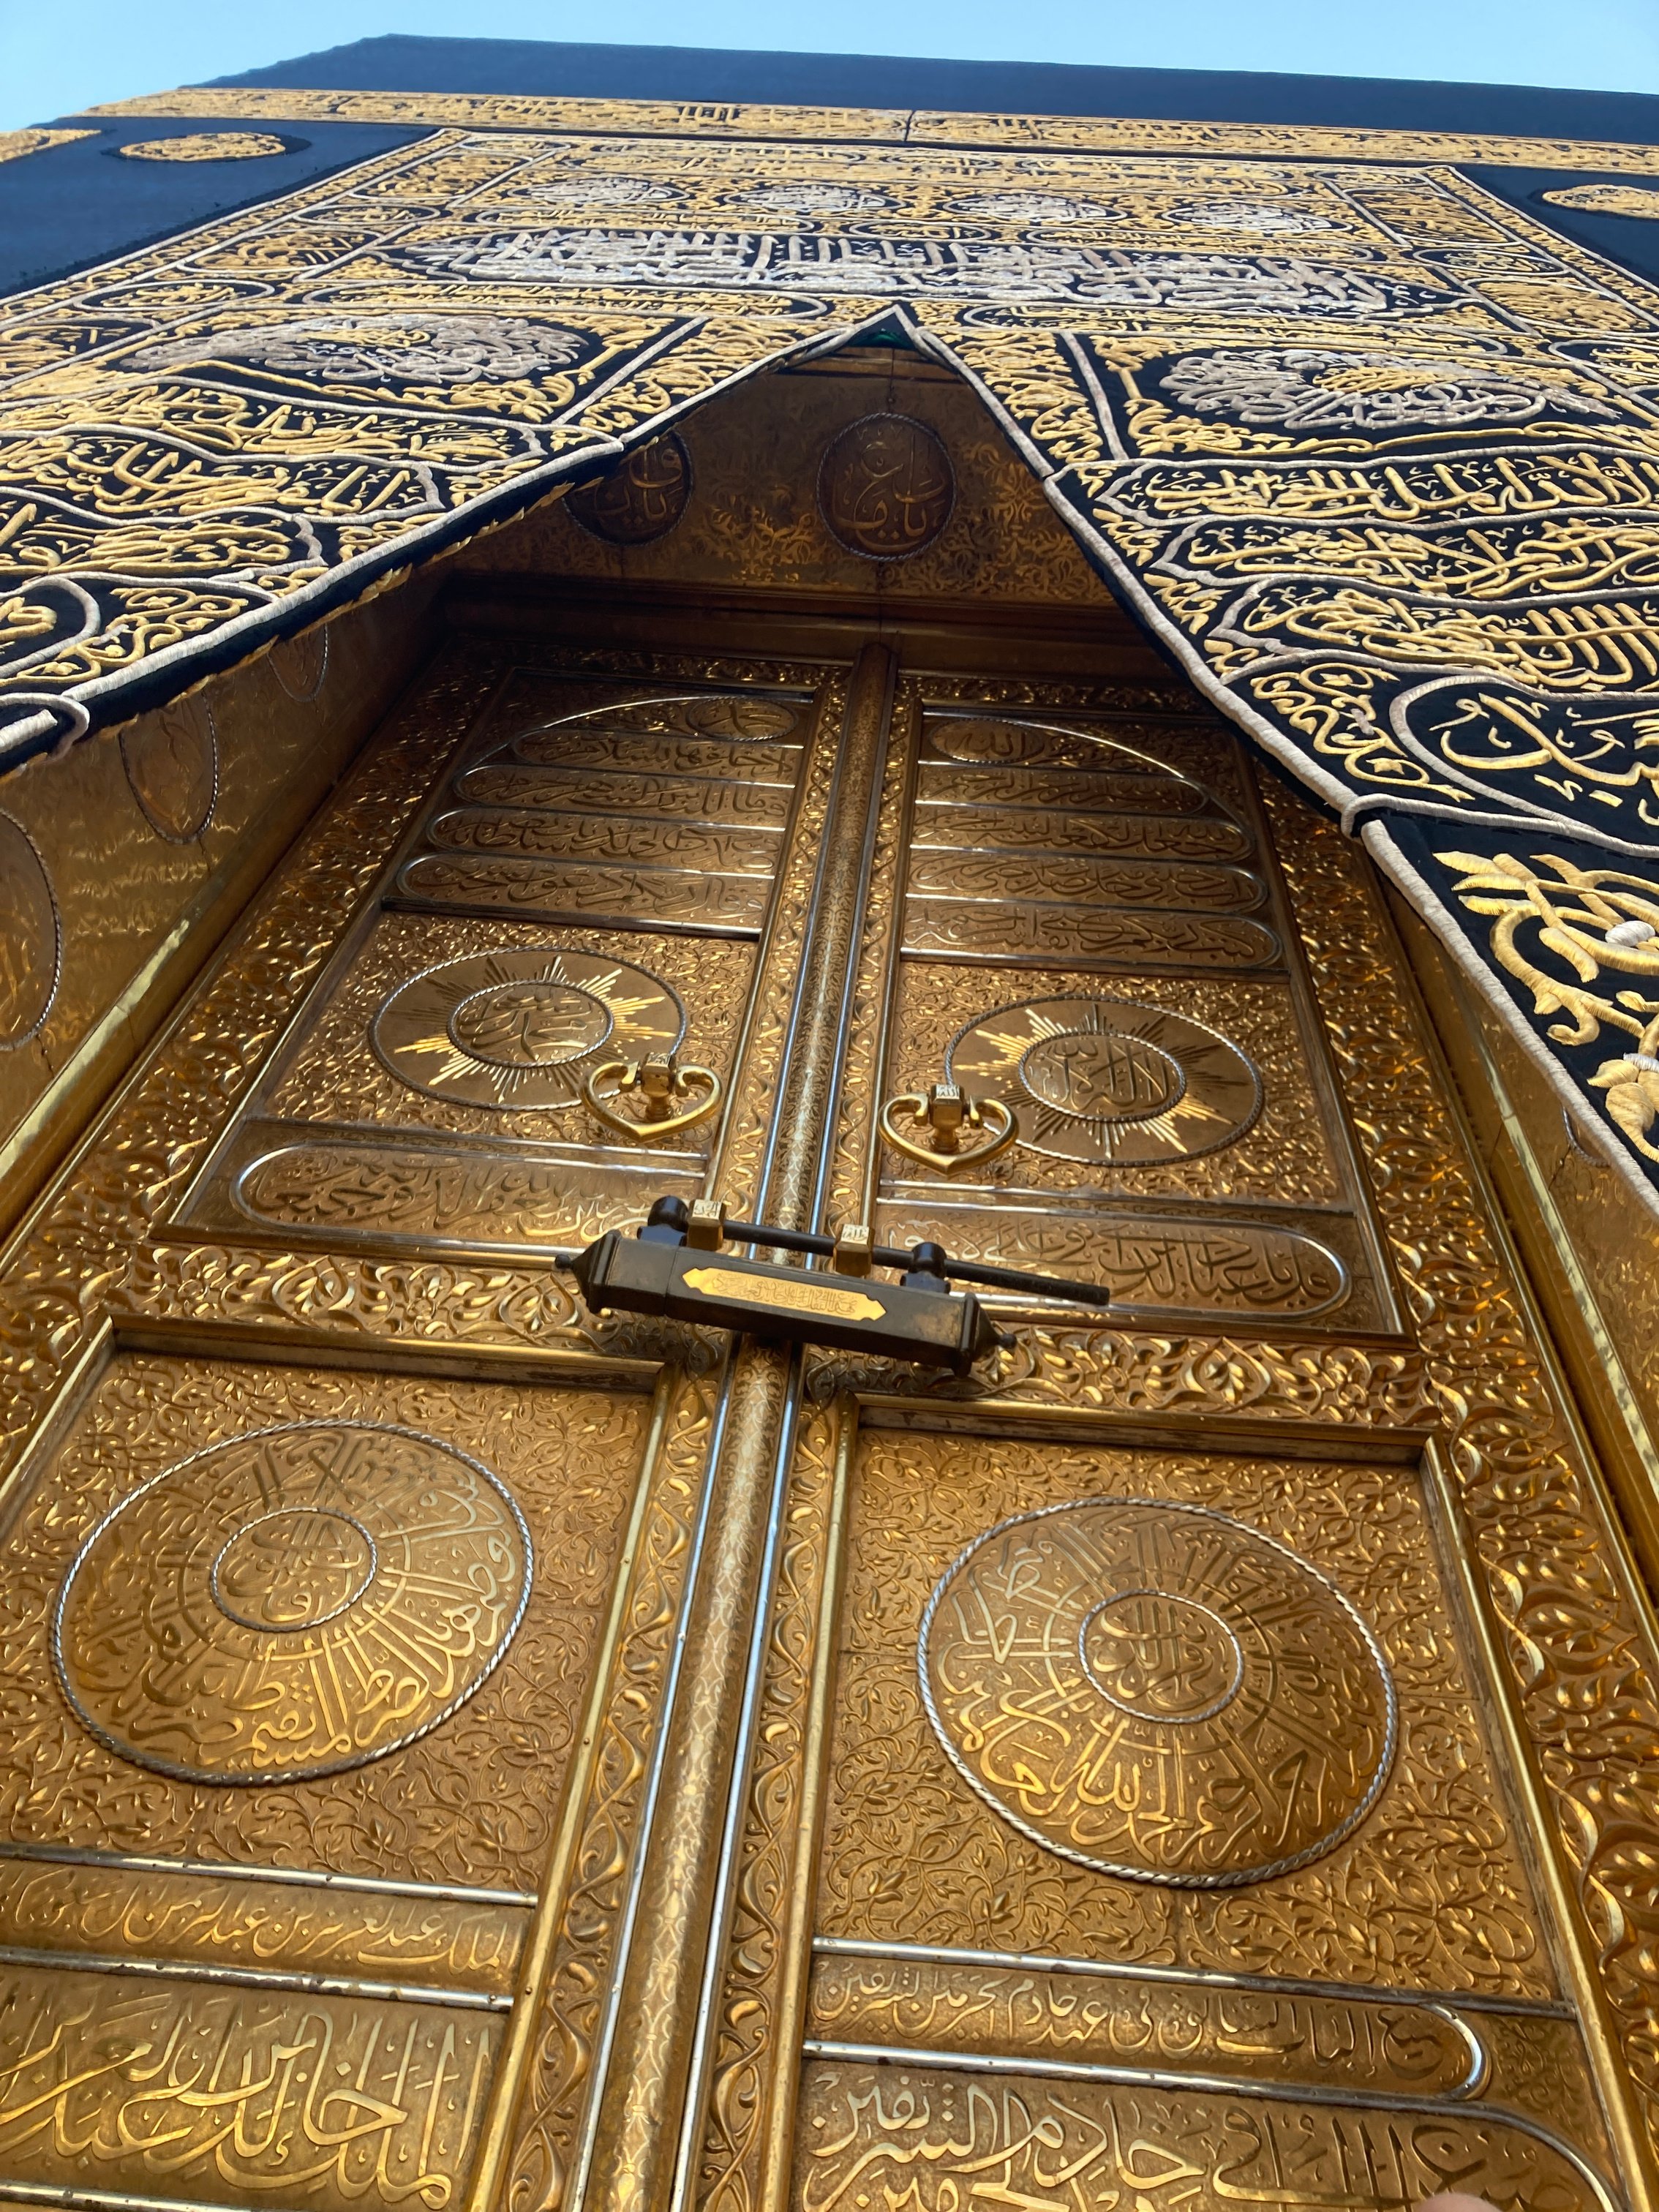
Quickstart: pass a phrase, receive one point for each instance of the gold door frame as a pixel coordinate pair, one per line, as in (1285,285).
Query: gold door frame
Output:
(664,1989)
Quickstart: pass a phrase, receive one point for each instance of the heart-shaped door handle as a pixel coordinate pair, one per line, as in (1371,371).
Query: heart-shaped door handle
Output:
(944,1112)
(661,1082)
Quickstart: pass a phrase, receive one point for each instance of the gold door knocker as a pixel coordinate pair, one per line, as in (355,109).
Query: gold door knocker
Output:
(945,1113)
(659,1081)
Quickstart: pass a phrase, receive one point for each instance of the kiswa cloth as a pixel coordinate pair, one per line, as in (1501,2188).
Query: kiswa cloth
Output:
(1374,454)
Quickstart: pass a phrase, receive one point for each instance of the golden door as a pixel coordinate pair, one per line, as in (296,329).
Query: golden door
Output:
(457,1751)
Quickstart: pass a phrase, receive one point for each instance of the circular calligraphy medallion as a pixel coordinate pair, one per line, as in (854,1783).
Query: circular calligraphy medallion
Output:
(513,1029)
(1104,1080)
(885,488)
(1159,1691)
(641,500)
(292,1602)
(172,765)
(209,146)
(31,937)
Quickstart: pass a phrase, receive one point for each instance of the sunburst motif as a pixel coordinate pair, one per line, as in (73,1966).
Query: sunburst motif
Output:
(1104,1080)
(510,1028)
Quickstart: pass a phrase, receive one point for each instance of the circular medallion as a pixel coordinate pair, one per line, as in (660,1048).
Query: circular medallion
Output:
(209,146)
(641,500)
(885,488)
(292,1602)
(1639,200)
(1105,1080)
(31,937)
(513,1029)
(172,764)
(300,663)
(1159,1691)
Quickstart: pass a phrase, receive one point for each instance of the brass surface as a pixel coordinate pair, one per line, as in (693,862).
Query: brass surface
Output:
(580,1907)
(929,2133)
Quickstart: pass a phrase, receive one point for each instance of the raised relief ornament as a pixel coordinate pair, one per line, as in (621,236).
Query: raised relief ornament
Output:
(640,501)
(172,765)
(292,1602)
(1103,1080)
(885,488)
(1159,1691)
(518,1029)
(31,937)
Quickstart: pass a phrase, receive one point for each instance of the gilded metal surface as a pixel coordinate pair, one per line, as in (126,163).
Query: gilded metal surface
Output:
(392,1006)
(885,488)
(752,521)
(157,1917)
(291,1602)
(642,500)
(1110,1082)
(518,1027)
(928,2135)
(187,2094)
(1157,1691)
(1184,2026)
(1233,1033)
(1537,1524)
(171,763)
(1425,1893)
(810,1295)
(32,937)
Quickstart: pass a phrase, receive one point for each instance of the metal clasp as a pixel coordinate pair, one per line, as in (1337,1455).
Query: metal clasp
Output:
(659,1082)
(945,1112)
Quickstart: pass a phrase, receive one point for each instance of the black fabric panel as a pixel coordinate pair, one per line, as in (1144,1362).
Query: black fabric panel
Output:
(698,73)
(74,206)
(1633,240)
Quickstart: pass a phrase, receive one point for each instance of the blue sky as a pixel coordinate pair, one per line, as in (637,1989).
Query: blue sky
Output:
(54,60)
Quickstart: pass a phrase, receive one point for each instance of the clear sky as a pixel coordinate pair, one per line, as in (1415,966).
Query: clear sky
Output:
(56,58)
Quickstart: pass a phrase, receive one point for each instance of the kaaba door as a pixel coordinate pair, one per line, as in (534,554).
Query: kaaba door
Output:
(459,1752)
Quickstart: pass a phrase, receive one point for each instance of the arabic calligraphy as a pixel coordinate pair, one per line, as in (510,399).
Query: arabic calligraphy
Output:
(295,1602)
(642,500)
(885,487)
(514,1028)
(1391,2047)
(1157,1691)
(939,2142)
(163,2091)
(1105,1080)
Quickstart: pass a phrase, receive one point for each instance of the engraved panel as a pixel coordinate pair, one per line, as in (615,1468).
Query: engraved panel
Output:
(336,1074)
(929,2137)
(669,798)
(1157,1691)
(473,1800)
(659,898)
(31,937)
(1107,1081)
(1283,1154)
(1426,1891)
(957,826)
(1020,931)
(530,835)
(1157,1263)
(293,1602)
(200,2096)
(642,500)
(885,487)
(1071,879)
(87,1907)
(518,1027)
(1291,2037)
(402,1194)
(172,764)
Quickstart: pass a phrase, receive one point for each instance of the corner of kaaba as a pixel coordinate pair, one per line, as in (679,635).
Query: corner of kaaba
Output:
(828,1140)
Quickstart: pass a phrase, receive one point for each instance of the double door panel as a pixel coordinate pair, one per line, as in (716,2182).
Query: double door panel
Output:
(459,1750)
